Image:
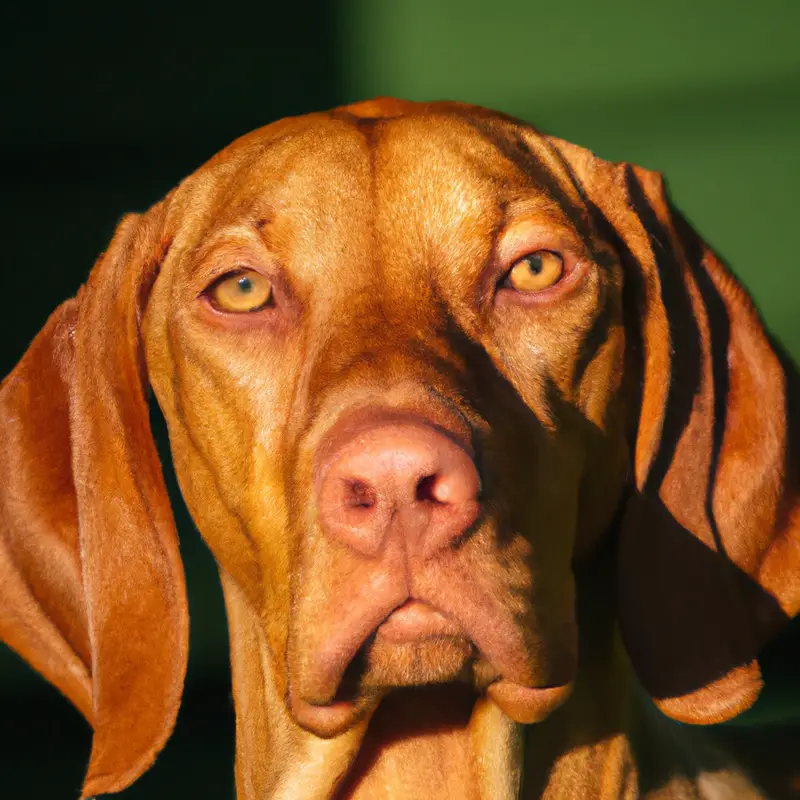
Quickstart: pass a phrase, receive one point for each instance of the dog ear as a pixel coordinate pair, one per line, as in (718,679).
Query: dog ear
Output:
(93,589)
(709,547)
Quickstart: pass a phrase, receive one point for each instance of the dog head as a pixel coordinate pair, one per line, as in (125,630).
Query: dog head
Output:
(415,360)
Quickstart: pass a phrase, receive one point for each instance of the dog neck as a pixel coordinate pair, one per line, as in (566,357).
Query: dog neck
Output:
(436,736)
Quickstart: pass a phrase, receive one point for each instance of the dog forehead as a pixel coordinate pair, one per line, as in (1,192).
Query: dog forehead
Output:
(417,193)
(384,140)
(435,165)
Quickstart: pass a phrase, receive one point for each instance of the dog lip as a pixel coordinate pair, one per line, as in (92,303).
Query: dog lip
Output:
(331,719)
(527,705)
(415,620)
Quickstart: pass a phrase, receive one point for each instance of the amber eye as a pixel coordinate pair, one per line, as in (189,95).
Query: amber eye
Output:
(536,272)
(242,291)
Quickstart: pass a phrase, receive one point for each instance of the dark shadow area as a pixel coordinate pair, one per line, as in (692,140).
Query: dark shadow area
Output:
(45,748)
(105,108)
(688,614)
(409,712)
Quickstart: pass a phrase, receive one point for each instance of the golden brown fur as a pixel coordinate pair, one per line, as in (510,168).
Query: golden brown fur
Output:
(639,531)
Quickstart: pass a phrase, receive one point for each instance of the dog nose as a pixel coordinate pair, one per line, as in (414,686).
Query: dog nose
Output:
(408,479)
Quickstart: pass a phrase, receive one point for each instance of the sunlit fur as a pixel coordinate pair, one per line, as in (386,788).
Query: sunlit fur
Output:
(622,456)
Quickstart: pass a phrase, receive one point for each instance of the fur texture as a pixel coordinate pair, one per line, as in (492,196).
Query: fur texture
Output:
(638,541)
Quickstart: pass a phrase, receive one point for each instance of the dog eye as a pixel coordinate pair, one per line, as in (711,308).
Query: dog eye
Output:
(536,271)
(242,291)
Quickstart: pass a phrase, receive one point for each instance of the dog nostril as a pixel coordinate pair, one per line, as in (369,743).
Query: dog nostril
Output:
(427,490)
(359,494)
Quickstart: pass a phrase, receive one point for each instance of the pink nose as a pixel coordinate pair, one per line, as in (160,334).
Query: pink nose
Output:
(404,479)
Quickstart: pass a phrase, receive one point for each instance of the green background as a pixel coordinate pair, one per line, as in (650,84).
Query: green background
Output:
(105,108)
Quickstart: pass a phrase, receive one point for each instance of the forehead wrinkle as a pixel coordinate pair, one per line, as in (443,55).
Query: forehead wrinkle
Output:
(288,179)
(451,200)
(386,310)
(422,173)
(236,236)
(272,147)
(208,203)
(492,188)
(517,150)
(417,305)
(306,156)
(270,137)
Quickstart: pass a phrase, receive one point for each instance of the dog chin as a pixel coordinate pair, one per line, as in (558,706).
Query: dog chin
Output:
(437,659)
(383,666)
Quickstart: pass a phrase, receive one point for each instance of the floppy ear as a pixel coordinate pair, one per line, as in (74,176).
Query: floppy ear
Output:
(709,553)
(93,593)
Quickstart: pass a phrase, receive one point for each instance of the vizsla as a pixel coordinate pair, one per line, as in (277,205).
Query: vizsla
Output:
(495,457)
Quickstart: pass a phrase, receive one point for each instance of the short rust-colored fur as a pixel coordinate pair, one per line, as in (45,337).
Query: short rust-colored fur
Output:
(639,537)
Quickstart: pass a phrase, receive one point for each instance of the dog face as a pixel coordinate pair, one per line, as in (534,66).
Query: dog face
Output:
(414,277)
(413,361)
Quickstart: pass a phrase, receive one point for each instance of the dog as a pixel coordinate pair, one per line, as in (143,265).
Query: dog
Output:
(496,459)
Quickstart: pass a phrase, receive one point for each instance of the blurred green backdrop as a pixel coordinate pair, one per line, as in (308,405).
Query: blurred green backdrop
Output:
(106,107)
